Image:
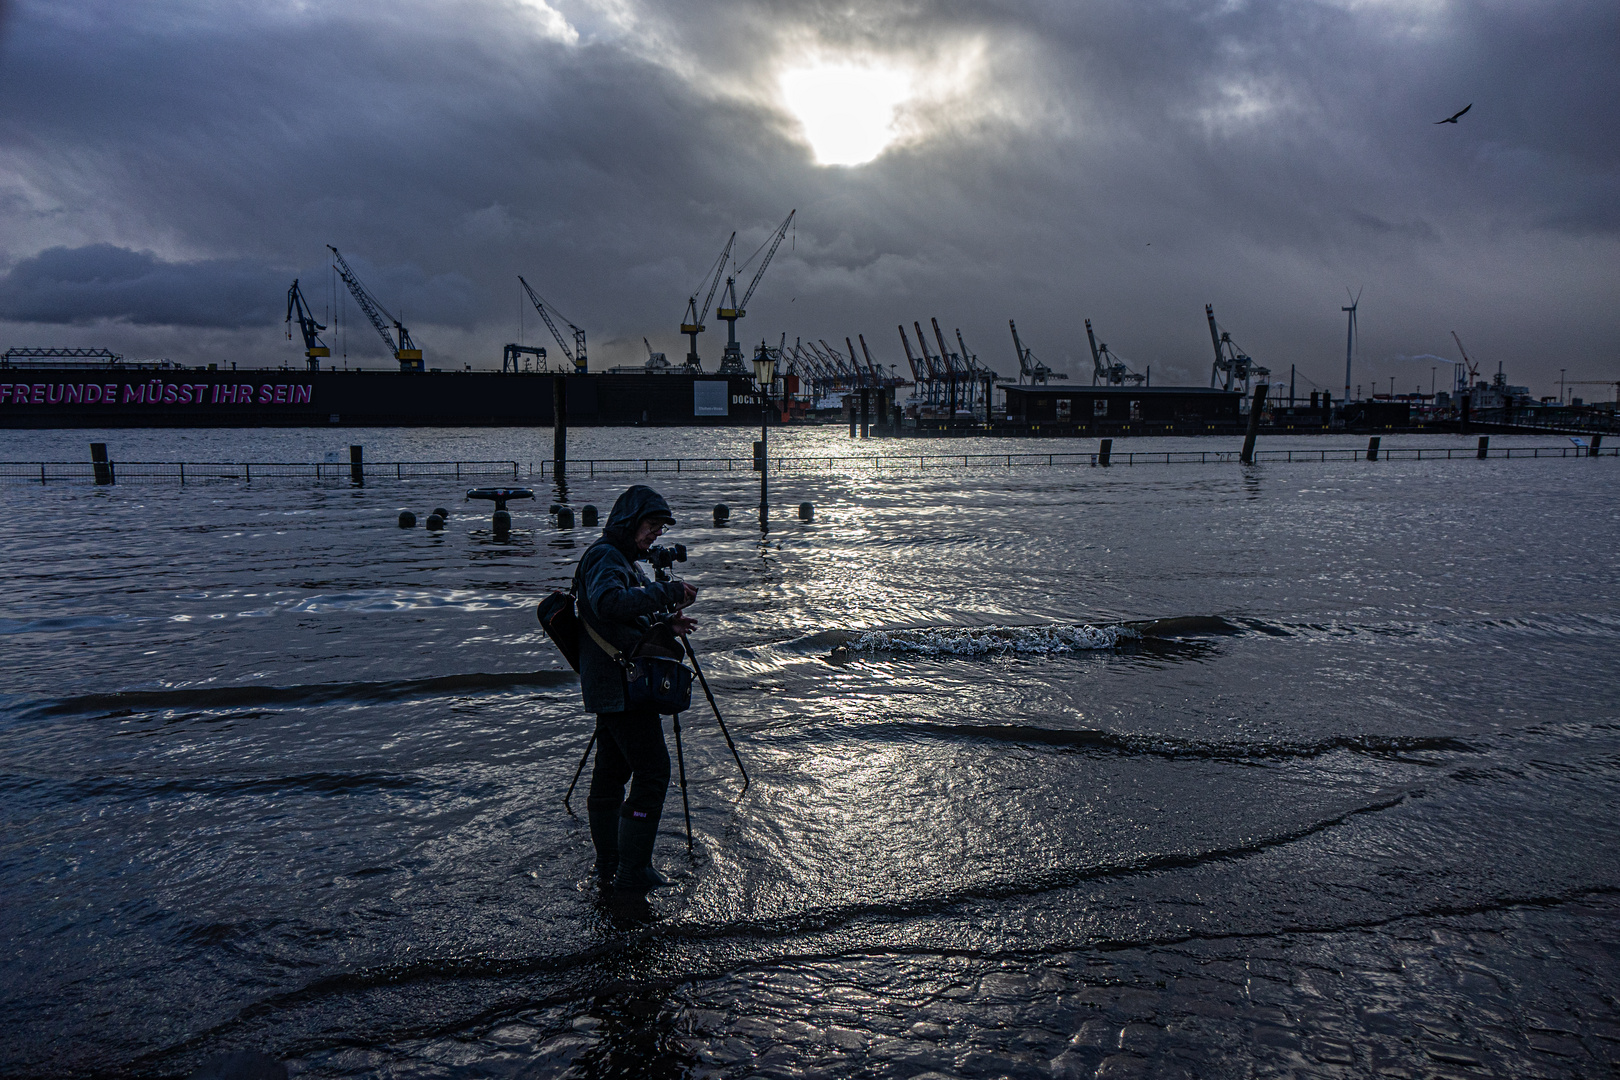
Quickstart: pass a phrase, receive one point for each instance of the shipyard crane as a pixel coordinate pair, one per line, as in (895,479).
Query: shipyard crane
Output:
(692,325)
(314,347)
(1473,368)
(404,349)
(1233,366)
(577,354)
(512,357)
(732,362)
(1106,366)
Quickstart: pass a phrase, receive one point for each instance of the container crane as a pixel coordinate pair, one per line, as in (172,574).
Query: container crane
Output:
(692,326)
(732,362)
(918,375)
(1107,367)
(1232,366)
(314,347)
(404,349)
(577,354)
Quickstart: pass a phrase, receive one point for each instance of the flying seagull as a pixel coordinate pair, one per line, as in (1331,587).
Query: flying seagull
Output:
(1452,119)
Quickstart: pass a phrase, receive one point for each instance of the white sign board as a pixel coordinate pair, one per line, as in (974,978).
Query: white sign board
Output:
(710,396)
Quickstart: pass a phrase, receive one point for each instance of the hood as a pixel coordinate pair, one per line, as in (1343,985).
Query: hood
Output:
(629,509)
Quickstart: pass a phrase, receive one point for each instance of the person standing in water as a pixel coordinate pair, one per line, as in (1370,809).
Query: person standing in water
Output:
(617,600)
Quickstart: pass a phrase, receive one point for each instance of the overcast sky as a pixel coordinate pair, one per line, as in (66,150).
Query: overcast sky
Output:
(168,167)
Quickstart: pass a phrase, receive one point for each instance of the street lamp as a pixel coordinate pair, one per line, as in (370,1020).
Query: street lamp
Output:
(765,376)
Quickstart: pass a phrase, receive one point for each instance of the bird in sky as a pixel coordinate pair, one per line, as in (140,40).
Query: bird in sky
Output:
(1452,119)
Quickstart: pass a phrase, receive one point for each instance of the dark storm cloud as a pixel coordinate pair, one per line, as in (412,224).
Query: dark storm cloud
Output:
(100,281)
(1127,161)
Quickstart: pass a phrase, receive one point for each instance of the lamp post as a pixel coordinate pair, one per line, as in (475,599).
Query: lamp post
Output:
(765,376)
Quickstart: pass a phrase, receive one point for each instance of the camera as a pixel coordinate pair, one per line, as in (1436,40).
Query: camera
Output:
(662,558)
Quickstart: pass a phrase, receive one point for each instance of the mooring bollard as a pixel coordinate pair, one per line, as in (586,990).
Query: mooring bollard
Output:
(807,511)
(722,513)
(1484,444)
(1372,448)
(435,522)
(553,508)
(407,520)
(98,458)
(357,472)
(444,515)
(1105,449)
(588,517)
(565,518)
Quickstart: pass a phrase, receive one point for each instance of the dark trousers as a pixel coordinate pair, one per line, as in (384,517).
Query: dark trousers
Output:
(630,746)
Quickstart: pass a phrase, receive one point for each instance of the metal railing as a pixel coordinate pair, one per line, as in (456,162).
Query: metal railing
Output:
(198,472)
(186,472)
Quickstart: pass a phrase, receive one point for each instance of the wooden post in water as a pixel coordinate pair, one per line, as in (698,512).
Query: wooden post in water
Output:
(1484,444)
(98,458)
(1254,423)
(1597,441)
(1105,450)
(559,422)
(357,472)
(866,402)
(1372,448)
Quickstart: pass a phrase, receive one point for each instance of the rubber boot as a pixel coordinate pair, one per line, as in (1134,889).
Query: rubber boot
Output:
(636,836)
(603,813)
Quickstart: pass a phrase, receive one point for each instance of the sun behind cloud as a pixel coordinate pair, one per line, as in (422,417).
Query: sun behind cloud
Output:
(848,111)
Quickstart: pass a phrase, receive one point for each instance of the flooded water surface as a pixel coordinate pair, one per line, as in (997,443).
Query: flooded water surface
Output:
(1190,770)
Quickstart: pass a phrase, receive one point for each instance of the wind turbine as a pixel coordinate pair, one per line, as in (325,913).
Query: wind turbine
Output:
(1349,338)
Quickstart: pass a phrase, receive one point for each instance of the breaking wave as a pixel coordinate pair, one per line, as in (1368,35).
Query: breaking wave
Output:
(990,640)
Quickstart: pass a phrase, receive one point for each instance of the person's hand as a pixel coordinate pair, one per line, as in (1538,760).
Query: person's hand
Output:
(691,594)
(683,624)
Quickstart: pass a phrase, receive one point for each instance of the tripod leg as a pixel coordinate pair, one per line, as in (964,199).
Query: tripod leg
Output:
(583,759)
(680,759)
(718,718)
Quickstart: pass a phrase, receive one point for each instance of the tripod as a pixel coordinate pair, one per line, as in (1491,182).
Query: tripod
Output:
(662,574)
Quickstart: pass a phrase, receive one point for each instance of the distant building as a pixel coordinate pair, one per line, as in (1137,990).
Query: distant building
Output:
(1136,410)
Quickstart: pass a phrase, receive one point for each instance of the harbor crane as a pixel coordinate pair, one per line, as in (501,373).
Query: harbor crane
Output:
(512,357)
(918,375)
(314,347)
(404,349)
(1473,368)
(1233,367)
(692,325)
(1028,367)
(731,363)
(1107,367)
(576,355)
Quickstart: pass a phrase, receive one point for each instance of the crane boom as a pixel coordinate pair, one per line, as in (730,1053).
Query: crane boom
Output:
(404,350)
(577,354)
(776,242)
(1473,368)
(731,361)
(693,324)
(314,347)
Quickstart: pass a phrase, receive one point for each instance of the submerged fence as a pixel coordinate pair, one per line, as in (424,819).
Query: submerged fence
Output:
(486,471)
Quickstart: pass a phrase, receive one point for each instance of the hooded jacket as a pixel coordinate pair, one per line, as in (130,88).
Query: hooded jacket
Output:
(616,598)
